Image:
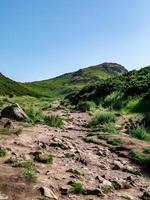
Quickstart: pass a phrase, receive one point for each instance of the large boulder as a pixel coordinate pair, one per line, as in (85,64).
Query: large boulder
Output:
(14,112)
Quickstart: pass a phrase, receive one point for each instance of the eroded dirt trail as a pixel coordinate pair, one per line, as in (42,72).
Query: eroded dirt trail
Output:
(74,160)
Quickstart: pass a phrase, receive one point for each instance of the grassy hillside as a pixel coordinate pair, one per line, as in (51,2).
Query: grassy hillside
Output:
(128,92)
(67,83)
(9,87)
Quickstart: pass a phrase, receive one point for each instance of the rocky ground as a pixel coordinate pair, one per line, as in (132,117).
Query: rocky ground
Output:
(104,172)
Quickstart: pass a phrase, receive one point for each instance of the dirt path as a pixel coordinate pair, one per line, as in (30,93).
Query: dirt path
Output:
(74,160)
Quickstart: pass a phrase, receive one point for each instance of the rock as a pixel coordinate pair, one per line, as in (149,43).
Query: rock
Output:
(103,181)
(48,193)
(64,190)
(118,165)
(6,123)
(146,196)
(14,112)
(95,191)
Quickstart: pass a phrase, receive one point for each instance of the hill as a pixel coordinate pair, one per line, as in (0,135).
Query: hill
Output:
(119,90)
(10,87)
(64,84)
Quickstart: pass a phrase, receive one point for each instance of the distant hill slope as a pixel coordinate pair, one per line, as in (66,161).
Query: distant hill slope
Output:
(132,84)
(10,87)
(67,83)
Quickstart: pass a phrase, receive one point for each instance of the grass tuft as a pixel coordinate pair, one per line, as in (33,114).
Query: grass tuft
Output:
(54,121)
(140,132)
(2,152)
(77,188)
(103,117)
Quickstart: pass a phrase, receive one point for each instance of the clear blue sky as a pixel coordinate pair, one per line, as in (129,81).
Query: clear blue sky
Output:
(40,39)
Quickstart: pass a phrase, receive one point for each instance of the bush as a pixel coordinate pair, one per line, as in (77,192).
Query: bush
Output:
(77,188)
(54,121)
(139,157)
(2,152)
(140,133)
(114,100)
(103,117)
(86,106)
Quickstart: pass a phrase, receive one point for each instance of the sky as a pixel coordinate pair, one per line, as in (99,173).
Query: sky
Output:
(41,39)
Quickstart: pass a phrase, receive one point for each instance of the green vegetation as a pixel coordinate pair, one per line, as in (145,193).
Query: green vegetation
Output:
(128,92)
(44,198)
(116,185)
(77,188)
(86,106)
(54,121)
(46,159)
(147,150)
(2,152)
(30,176)
(26,164)
(5,131)
(110,128)
(103,117)
(139,157)
(115,142)
(34,115)
(140,133)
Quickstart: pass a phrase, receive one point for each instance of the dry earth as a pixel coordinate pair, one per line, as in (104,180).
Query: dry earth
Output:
(74,160)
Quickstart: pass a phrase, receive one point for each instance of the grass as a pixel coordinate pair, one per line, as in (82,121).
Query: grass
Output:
(140,132)
(110,128)
(115,142)
(147,150)
(30,176)
(139,157)
(44,198)
(103,117)
(27,164)
(86,106)
(34,115)
(46,159)
(116,185)
(5,131)
(77,188)
(53,121)
(2,152)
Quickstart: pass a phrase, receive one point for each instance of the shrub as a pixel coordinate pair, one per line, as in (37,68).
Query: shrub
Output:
(114,100)
(140,133)
(77,188)
(86,106)
(54,121)
(103,117)
(47,159)
(2,152)
(139,157)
